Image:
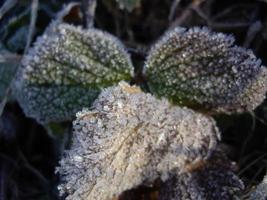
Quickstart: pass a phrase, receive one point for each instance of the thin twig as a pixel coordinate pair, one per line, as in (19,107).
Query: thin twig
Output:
(252,32)
(251,164)
(7,6)
(128,28)
(255,176)
(226,25)
(2,182)
(4,100)
(249,136)
(201,14)
(34,171)
(174,5)
(208,7)
(88,9)
(261,120)
(186,13)
(34,12)
(10,58)
(34,9)
(219,25)
(228,10)
(8,159)
(66,10)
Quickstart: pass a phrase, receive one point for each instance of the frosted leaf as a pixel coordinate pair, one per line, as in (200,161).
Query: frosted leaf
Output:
(202,69)
(260,193)
(252,95)
(213,181)
(128,4)
(66,69)
(131,138)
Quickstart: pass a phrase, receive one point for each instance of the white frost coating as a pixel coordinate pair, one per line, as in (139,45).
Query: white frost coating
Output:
(260,193)
(66,69)
(202,69)
(215,180)
(131,138)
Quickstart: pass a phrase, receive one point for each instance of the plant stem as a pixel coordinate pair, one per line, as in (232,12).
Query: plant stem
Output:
(8,5)
(88,9)
(34,10)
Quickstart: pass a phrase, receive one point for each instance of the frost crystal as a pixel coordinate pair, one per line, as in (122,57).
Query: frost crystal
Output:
(131,138)
(214,181)
(261,191)
(66,69)
(198,68)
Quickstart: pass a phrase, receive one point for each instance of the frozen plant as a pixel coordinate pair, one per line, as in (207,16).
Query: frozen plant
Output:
(260,192)
(66,69)
(204,70)
(215,179)
(130,138)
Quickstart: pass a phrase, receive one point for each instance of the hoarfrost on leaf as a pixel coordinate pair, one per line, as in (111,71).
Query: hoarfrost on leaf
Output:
(213,181)
(202,69)
(66,69)
(130,138)
(260,193)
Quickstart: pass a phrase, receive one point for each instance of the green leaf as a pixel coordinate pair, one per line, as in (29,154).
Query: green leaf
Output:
(66,69)
(205,71)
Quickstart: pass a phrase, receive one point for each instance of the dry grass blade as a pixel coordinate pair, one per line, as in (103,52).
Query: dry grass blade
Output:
(8,5)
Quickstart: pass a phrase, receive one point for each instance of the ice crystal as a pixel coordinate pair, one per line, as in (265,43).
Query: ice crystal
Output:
(260,193)
(66,69)
(130,138)
(213,181)
(202,69)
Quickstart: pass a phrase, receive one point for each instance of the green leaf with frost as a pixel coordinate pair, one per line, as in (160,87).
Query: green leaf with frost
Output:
(205,70)
(260,192)
(66,69)
(130,138)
